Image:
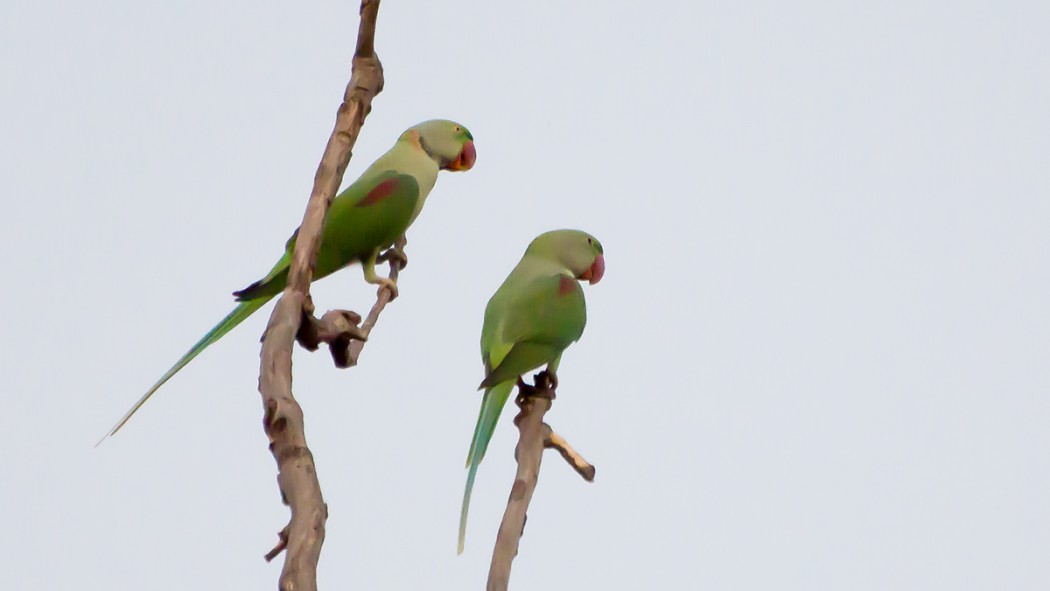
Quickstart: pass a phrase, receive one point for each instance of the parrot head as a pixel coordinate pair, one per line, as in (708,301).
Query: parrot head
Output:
(580,252)
(448,143)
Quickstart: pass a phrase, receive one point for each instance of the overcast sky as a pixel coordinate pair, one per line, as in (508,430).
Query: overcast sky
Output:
(818,359)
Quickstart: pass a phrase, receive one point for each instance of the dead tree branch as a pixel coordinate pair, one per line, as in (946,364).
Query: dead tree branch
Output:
(534,436)
(582,466)
(283,419)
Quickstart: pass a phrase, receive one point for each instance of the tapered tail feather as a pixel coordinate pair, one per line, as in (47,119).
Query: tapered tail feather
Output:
(242,311)
(491,406)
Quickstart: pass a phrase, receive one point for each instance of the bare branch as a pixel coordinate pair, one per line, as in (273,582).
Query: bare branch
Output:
(585,468)
(282,543)
(283,420)
(337,328)
(533,437)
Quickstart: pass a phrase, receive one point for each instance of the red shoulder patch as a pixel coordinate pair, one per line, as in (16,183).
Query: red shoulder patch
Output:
(566,285)
(379,193)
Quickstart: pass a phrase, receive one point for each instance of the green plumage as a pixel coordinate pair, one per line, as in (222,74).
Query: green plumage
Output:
(352,230)
(536,313)
(366,217)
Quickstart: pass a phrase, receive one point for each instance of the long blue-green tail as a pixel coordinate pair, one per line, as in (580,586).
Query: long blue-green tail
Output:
(491,406)
(242,311)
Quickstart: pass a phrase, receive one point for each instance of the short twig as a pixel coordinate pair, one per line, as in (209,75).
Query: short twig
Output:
(585,468)
(282,543)
(336,329)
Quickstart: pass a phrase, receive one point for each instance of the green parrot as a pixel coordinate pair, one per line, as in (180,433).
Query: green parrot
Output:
(531,319)
(368,216)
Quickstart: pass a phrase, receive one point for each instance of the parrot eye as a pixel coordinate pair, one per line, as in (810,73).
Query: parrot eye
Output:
(457,129)
(590,241)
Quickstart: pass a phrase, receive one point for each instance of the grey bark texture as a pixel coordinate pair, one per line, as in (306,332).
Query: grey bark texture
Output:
(283,418)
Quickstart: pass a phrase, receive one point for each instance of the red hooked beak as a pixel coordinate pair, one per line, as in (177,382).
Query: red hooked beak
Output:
(595,272)
(465,160)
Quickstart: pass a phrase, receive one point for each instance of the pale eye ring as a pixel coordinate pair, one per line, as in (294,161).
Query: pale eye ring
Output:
(457,129)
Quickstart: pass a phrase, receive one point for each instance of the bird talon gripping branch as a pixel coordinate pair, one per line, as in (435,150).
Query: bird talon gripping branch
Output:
(389,284)
(393,254)
(551,380)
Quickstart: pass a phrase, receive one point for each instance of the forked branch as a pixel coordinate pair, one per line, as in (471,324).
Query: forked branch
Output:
(339,328)
(283,420)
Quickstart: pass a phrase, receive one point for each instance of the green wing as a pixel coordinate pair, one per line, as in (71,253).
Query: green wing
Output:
(369,215)
(537,323)
(367,221)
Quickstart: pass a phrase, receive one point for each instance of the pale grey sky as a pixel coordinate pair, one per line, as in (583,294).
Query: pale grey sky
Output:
(818,359)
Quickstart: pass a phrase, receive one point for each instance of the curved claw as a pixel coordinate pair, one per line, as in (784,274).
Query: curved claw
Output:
(394,254)
(390,284)
(552,379)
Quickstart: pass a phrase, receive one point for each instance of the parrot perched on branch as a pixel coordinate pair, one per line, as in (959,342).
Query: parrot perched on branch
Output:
(368,216)
(531,319)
